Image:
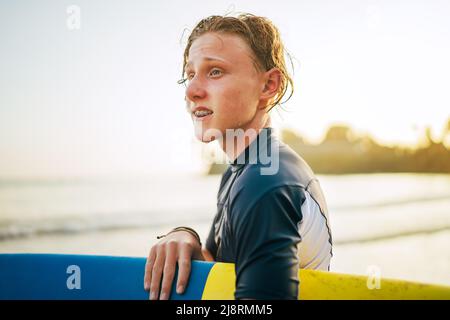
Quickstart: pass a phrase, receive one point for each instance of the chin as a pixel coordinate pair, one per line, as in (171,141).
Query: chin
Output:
(208,140)
(206,135)
(203,137)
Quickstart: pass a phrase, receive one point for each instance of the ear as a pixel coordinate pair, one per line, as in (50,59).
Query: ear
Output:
(272,83)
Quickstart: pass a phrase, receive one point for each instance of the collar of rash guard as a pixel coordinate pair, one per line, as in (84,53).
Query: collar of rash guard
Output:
(251,154)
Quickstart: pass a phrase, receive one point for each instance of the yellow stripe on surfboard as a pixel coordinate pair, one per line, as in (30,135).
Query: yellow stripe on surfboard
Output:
(321,285)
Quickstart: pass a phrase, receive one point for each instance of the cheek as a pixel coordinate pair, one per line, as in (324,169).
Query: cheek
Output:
(233,110)
(236,101)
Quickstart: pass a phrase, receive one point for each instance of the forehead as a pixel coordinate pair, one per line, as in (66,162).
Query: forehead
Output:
(229,48)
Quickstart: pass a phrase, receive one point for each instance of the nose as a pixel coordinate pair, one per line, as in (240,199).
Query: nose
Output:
(195,90)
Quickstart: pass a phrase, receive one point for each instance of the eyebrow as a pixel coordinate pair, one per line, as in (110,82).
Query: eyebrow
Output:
(208,59)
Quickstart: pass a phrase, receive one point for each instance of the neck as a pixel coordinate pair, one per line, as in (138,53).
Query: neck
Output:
(239,142)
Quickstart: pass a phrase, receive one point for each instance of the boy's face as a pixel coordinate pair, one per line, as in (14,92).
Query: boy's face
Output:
(223,81)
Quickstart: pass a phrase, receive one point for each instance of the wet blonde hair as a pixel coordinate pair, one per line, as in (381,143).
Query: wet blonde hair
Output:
(262,37)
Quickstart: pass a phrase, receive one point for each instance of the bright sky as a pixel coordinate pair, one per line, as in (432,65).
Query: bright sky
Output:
(103,99)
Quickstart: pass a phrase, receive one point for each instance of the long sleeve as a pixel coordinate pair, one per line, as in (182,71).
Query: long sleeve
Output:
(265,242)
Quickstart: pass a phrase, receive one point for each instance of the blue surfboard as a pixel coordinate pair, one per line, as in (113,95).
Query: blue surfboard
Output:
(69,277)
(85,277)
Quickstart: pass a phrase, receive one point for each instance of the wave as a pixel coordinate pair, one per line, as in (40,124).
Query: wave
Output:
(95,223)
(70,226)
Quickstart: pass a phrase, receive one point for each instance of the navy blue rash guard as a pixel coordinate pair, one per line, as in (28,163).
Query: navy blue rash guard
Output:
(269,225)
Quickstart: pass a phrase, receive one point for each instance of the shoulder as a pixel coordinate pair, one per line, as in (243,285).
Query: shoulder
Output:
(286,170)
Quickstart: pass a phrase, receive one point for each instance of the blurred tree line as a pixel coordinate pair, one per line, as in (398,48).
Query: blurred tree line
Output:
(342,151)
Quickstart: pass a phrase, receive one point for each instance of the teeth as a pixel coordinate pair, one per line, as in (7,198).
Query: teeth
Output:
(202,113)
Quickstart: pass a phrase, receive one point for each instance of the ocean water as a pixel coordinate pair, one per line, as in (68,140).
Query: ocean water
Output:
(398,222)
(30,208)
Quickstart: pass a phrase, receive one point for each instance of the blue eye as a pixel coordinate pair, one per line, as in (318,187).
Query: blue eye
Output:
(215,72)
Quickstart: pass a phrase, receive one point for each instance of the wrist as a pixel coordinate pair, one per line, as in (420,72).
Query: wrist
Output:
(186,229)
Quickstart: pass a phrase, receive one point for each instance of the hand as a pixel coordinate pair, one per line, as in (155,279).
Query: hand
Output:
(179,246)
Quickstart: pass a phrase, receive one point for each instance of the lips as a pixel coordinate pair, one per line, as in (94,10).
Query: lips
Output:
(201,113)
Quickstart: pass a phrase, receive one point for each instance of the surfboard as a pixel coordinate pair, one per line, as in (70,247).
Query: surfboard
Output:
(90,277)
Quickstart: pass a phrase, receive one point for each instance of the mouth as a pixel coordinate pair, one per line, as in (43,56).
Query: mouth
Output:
(201,113)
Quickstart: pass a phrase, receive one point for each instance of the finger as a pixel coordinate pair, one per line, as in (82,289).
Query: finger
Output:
(169,269)
(148,268)
(157,271)
(184,267)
